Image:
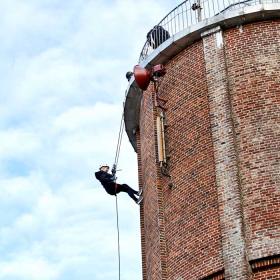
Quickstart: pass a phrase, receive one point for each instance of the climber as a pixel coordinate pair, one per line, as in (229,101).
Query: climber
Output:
(108,181)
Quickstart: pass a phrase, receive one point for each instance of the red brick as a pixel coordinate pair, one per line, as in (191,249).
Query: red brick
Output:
(185,233)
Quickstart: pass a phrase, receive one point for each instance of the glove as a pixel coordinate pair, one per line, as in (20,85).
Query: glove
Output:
(114,170)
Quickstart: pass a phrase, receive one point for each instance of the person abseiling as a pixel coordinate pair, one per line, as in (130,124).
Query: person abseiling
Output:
(108,181)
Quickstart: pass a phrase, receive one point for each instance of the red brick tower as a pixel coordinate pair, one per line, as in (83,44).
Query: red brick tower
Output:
(209,157)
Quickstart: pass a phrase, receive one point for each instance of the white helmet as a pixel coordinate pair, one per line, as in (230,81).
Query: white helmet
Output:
(103,165)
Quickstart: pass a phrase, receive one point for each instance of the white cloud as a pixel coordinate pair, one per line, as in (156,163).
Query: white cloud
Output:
(62,75)
(23,267)
(17,143)
(80,118)
(24,189)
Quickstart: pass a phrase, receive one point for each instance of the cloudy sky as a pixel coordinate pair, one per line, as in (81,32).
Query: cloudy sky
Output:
(62,76)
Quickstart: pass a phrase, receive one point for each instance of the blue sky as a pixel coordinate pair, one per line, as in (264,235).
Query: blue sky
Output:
(62,76)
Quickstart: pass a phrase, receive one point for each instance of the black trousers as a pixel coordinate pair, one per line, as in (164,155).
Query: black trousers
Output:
(126,188)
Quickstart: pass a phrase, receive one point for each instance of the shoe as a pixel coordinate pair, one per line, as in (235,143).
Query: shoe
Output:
(139,200)
(140,192)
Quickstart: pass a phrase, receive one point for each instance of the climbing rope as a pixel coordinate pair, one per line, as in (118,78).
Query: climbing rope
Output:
(119,142)
(118,230)
(115,170)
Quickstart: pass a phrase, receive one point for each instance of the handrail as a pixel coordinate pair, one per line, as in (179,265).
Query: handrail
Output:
(188,13)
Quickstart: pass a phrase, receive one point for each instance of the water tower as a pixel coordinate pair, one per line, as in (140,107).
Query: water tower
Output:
(207,136)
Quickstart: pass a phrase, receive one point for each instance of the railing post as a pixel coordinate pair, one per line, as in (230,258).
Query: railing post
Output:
(199,10)
(197,7)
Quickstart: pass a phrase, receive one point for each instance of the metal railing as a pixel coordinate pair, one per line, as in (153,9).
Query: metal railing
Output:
(189,13)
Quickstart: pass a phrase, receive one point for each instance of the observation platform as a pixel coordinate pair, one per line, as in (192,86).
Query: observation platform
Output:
(184,25)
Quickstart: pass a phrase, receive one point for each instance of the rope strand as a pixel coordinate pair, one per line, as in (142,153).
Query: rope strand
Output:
(119,249)
(119,141)
(115,166)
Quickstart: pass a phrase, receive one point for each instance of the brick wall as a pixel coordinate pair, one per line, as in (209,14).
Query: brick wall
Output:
(253,59)
(191,212)
(192,233)
(223,208)
(270,274)
(155,263)
(142,216)
(226,163)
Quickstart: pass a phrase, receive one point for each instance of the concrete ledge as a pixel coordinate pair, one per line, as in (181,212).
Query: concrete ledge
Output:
(132,112)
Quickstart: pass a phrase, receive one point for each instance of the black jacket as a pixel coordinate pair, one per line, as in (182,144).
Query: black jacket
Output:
(107,180)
